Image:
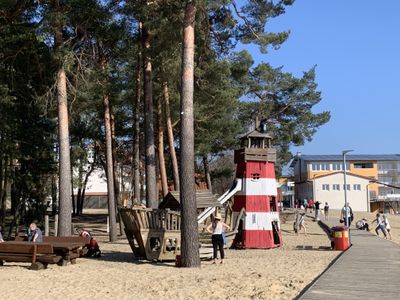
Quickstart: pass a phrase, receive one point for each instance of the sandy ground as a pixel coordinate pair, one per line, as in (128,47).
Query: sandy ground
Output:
(246,274)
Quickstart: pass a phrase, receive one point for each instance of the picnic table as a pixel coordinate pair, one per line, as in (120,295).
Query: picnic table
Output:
(68,251)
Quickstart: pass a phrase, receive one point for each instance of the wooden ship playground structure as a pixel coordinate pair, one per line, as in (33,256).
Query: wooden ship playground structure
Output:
(249,207)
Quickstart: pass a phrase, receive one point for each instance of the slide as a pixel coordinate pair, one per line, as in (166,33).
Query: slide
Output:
(236,186)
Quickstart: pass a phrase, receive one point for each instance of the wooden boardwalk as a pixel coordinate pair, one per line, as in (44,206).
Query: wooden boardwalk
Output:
(370,269)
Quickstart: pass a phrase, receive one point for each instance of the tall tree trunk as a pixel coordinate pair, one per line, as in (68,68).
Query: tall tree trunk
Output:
(109,163)
(189,232)
(161,159)
(2,217)
(65,202)
(207,173)
(3,188)
(114,155)
(170,134)
(136,126)
(151,180)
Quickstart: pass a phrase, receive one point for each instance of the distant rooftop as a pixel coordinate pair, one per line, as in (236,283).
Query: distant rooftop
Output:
(354,157)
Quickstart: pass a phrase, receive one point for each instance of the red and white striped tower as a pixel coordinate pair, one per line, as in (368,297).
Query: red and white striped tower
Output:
(260,226)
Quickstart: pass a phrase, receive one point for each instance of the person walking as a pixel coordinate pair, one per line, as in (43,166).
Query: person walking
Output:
(217,228)
(347,215)
(311,205)
(387,225)
(326,211)
(302,224)
(305,204)
(316,205)
(379,225)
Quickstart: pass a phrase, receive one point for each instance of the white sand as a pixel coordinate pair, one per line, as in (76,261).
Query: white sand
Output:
(246,274)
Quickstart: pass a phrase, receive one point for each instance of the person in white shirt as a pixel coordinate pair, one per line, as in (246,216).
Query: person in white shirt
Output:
(302,224)
(379,225)
(217,228)
(347,215)
(387,225)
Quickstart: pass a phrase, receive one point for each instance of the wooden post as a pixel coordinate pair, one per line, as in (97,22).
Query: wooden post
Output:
(46,225)
(108,224)
(56,225)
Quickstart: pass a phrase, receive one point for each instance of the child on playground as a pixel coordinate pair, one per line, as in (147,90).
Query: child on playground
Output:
(217,228)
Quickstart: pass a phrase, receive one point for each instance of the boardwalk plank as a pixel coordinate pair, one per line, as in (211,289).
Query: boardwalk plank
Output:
(370,269)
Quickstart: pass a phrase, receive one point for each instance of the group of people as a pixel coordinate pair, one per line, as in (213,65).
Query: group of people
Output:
(382,224)
(311,206)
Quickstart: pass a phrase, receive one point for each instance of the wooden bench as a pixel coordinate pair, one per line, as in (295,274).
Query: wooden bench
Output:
(39,255)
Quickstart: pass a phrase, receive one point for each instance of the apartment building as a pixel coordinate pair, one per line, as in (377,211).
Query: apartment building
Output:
(378,177)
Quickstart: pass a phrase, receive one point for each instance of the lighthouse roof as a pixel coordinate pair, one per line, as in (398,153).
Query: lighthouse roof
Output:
(258,134)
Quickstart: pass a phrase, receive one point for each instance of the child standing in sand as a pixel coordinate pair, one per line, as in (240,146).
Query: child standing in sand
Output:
(217,228)
(302,224)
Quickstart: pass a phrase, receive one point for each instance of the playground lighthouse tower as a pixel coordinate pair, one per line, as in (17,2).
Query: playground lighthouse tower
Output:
(257,204)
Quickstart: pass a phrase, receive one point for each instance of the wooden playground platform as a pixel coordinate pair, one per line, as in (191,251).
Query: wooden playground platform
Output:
(154,234)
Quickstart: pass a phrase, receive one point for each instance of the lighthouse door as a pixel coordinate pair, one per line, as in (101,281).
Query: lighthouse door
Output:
(275,232)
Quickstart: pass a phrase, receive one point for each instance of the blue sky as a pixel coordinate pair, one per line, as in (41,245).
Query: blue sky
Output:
(356,47)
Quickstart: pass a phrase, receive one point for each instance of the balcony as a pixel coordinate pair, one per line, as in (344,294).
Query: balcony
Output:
(255,154)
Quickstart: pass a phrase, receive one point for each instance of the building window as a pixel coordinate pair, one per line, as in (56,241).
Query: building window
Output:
(363,165)
(325,167)
(315,167)
(348,187)
(336,187)
(320,167)
(338,166)
(255,176)
(325,187)
(357,187)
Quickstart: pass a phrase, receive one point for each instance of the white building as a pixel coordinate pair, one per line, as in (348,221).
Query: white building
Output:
(330,188)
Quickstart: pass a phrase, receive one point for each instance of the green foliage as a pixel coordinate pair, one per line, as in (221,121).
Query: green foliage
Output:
(27,133)
(229,90)
(216,107)
(285,103)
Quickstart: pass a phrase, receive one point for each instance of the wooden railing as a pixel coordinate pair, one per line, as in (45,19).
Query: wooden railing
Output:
(145,218)
(255,154)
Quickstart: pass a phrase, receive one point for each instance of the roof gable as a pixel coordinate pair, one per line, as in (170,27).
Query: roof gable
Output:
(347,174)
